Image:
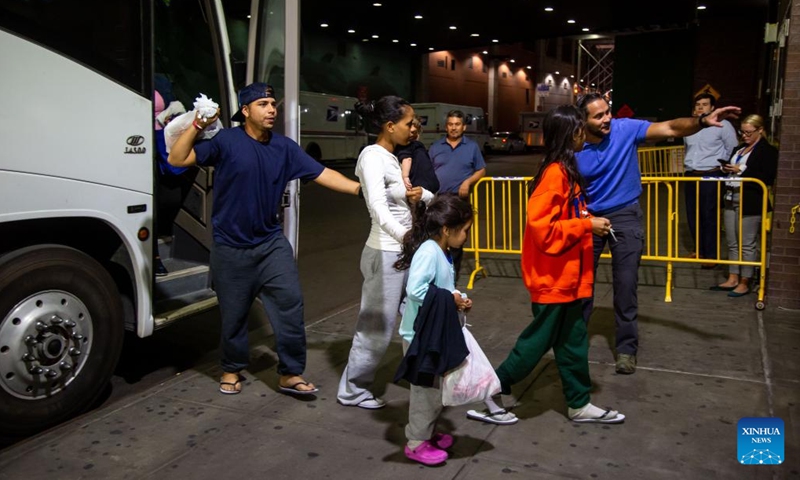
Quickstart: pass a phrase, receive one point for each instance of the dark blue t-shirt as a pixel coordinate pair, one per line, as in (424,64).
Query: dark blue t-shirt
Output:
(611,167)
(454,165)
(249,180)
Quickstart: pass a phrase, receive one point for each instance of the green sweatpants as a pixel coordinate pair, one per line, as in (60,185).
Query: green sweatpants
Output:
(560,327)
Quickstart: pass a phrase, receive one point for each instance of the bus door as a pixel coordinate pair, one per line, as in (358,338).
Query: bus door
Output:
(192,56)
(273,57)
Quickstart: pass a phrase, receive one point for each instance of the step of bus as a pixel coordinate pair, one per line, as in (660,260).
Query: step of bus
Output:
(173,309)
(183,278)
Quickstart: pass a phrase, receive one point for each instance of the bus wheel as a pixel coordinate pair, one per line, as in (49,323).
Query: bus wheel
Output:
(61,332)
(314,151)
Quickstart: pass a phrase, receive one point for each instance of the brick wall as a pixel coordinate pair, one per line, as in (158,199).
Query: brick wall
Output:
(783,287)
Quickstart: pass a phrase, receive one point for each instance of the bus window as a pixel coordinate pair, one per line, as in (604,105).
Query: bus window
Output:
(184,52)
(73,28)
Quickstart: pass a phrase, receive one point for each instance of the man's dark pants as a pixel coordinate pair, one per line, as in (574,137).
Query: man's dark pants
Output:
(626,255)
(707,205)
(268,271)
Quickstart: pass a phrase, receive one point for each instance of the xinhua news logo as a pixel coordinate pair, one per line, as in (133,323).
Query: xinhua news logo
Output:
(760,441)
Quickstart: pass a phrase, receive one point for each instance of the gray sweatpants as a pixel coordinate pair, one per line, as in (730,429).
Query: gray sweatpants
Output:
(380,302)
(751,229)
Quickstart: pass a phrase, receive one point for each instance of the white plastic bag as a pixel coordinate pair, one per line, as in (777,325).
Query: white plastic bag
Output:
(473,380)
(202,105)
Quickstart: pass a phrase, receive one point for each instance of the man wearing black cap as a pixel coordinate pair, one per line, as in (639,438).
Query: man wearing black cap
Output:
(250,256)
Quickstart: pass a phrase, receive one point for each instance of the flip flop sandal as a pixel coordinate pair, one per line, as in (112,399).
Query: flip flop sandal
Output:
(604,418)
(501,417)
(293,390)
(233,391)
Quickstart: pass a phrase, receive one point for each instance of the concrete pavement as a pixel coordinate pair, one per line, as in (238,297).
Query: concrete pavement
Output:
(705,362)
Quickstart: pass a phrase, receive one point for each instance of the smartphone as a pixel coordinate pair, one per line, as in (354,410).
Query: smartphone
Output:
(723,162)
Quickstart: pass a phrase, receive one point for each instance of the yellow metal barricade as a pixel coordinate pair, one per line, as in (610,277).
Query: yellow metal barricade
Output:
(661,161)
(500,217)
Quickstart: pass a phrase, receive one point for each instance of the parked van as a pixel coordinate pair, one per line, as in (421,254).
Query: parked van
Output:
(330,129)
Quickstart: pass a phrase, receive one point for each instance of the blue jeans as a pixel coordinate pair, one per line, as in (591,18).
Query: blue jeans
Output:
(268,271)
(626,255)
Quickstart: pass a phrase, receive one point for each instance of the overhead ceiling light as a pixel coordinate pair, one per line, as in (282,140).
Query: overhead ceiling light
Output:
(475,35)
(418,17)
(512,60)
(453,27)
(374,36)
(548,9)
(351,31)
(701,7)
(323,25)
(570,21)
(365,39)
(572,76)
(430,48)
(248,16)
(413,44)
(528,67)
(556,72)
(485,52)
(377,4)
(395,41)
(494,40)
(584,29)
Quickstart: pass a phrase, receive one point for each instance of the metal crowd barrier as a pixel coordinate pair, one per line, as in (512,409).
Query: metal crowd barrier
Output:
(500,204)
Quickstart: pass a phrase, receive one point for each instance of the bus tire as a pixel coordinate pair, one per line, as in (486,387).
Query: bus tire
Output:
(61,333)
(314,151)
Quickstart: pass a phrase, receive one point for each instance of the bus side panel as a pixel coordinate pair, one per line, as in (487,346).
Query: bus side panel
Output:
(27,196)
(68,121)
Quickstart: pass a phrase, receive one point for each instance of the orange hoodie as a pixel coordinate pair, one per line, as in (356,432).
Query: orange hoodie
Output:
(557,251)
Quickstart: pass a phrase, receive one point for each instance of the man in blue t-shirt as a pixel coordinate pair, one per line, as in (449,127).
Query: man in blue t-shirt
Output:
(610,166)
(458,164)
(250,256)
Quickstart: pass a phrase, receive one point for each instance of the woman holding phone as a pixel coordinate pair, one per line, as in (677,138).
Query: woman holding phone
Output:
(744,202)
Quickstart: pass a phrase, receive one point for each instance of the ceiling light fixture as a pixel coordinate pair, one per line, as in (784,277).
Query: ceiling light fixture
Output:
(374,36)
(557,72)
(323,25)
(701,7)
(528,67)
(548,9)
(418,17)
(570,21)
(494,40)
(430,48)
(413,44)
(584,29)
(485,52)
(377,5)
(512,61)
(351,31)
(395,41)
(475,35)
(453,27)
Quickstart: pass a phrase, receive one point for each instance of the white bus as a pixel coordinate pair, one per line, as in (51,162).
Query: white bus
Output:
(330,129)
(433,117)
(78,182)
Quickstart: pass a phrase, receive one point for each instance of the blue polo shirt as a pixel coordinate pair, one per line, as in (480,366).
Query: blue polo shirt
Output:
(249,180)
(611,167)
(454,165)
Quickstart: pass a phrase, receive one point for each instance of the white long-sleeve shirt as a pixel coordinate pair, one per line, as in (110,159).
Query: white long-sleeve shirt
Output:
(385,194)
(705,147)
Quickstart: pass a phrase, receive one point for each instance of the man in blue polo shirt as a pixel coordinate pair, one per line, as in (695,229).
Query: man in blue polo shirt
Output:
(458,163)
(250,256)
(609,164)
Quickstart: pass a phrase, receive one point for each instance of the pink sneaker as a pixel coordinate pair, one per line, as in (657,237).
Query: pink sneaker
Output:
(442,441)
(426,454)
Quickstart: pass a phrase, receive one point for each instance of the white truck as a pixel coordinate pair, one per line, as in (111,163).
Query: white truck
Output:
(433,117)
(330,129)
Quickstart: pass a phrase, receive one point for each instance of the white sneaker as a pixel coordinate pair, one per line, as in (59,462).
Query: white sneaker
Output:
(372,403)
(501,417)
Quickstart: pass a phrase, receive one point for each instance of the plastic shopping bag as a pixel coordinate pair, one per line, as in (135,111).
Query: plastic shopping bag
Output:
(203,106)
(473,380)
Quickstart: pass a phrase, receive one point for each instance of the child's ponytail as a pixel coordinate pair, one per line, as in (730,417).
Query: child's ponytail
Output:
(414,236)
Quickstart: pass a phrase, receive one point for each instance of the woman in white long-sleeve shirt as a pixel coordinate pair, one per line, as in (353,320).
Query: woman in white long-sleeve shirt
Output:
(387,200)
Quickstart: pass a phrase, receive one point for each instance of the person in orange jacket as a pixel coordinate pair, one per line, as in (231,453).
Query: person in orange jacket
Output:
(557,267)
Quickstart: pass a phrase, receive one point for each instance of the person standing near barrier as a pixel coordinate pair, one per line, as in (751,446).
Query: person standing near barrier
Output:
(250,256)
(756,158)
(610,166)
(704,149)
(388,203)
(459,165)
